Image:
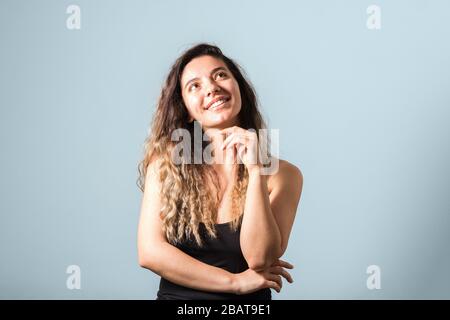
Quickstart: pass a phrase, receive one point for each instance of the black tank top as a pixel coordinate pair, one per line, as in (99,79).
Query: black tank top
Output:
(223,252)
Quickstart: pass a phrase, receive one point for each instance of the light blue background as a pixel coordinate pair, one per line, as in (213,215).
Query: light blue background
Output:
(363,113)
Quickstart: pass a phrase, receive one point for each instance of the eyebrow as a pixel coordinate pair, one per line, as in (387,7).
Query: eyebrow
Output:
(213,71)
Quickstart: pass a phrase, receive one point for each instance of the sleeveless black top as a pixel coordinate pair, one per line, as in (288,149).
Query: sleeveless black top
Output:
(223,252)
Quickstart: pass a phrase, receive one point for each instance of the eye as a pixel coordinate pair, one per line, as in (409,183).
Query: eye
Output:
(193,86)
(221,74)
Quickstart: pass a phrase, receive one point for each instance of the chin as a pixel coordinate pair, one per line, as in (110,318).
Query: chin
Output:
(226,118)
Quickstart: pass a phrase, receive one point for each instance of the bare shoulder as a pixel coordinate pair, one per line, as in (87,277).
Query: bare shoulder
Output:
(288,175)
(153,170)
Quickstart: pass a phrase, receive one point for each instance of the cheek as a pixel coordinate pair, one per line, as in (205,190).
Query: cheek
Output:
(192,103)
(237,95)
(236,91)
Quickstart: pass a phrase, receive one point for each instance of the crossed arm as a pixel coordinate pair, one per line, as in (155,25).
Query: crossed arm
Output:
(166,260)
(268,217)
(259,248)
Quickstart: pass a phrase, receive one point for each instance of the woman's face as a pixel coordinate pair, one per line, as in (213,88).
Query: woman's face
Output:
(211,93)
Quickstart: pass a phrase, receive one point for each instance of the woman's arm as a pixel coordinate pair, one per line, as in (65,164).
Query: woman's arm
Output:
(268,219)
(166,260)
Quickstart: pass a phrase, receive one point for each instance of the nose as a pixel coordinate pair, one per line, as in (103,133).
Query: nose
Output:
(212,89)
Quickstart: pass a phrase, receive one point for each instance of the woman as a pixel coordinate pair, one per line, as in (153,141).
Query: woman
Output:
(213,229)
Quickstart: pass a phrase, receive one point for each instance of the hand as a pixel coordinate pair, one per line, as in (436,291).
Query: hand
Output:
(245,142)
(250,280)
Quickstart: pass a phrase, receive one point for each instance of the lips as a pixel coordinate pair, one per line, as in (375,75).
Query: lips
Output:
(217,101)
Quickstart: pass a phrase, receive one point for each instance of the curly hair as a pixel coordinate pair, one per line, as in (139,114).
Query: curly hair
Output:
(186,200)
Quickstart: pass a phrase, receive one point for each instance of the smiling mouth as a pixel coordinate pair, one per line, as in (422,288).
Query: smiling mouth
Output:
(218,104)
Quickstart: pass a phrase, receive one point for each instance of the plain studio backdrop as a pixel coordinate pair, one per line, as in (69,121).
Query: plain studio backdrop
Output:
(362,105)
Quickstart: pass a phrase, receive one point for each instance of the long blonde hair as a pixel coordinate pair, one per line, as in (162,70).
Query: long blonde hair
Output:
(186,200)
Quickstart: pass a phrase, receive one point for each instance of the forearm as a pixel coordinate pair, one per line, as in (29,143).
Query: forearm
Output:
(260,236)
(178,267)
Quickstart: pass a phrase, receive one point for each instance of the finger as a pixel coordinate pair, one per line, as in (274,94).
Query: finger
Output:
(280,270)
(273,285)
(283,264)
(274,277)
(227,139)
(233,139)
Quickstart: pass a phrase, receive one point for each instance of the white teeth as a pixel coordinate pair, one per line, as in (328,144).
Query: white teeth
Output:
(217,103)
